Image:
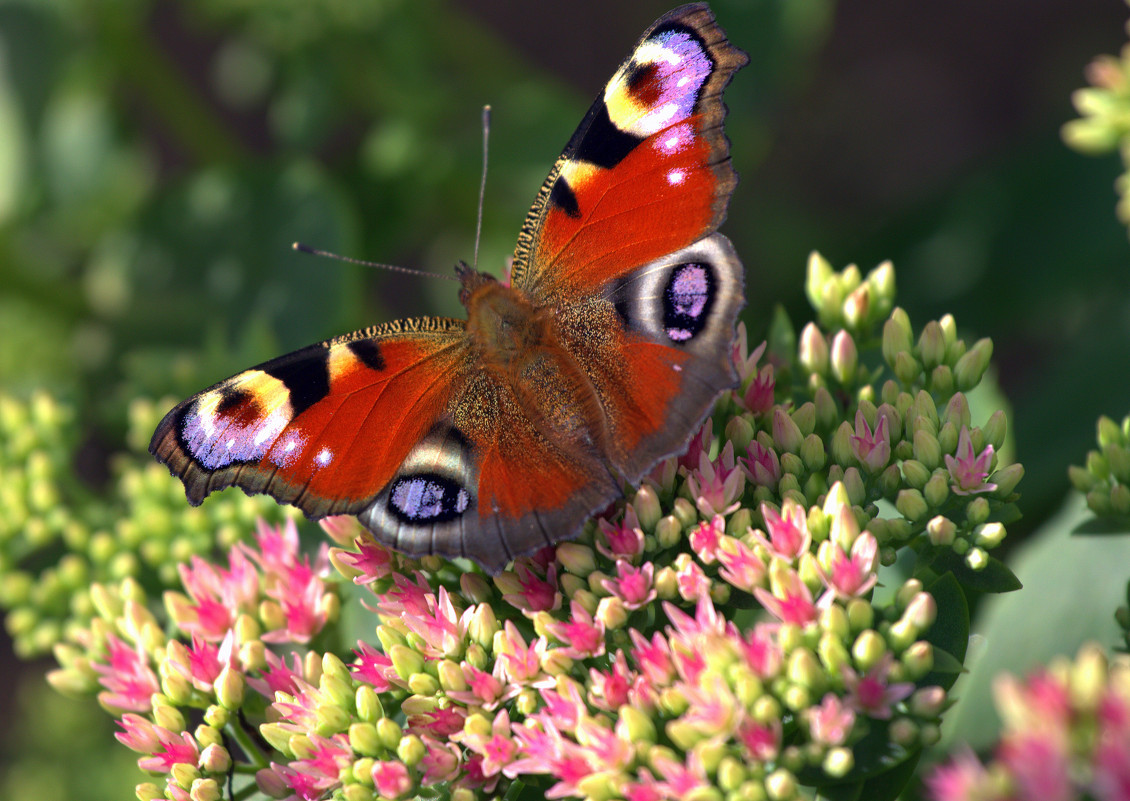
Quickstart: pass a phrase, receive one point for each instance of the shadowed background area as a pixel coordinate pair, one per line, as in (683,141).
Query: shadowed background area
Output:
(157,162)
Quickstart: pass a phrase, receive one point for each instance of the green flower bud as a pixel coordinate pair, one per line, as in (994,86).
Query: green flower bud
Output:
(1120,499)
(636,725)
(927,450)
(833,654)
(1097,465)
(932,345)
(826,411)
(786,433)
(868,648)
(853,483)
(209,789)
(817,276)
(797,697)
(423,684)
(901,635)
(977,559)
(845,358)
(977,511)
(368,704)
(389,638)
(330,719)
(971,367)
(646,502)
(805,417)
(838,762)
(781,785)
(576,557)
(857,307)
(937,489)
(612,613)
(230,687)
(668,532)
(906,368)
(792,464)
(483,625)
(805,669)
(941,379)
(1107,432)
(916,473)
(184,774)
(841,444)
(389,733)
(1007,478)
(364,740)
(600,786)
(918,660)
(941,531)
(812,352)
(405,661)
(988,535)
(685,512)
(928,702)
(731,774)
(278,737)
(811,453)
(475,588)
(1118,459)
(911,505)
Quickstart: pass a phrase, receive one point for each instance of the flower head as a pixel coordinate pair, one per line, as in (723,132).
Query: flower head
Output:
(968,470)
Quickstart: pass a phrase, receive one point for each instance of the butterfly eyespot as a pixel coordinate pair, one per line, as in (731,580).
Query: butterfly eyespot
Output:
(687,300)
(428,498)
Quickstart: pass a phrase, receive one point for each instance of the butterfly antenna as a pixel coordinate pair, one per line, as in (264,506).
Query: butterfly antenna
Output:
(301,248)
(483,182)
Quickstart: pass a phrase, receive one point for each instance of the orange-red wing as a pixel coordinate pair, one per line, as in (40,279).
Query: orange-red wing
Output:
(647,172)
(324,428)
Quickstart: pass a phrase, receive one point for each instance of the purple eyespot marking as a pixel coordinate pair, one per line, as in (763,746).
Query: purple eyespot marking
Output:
(428,498)
(680,67)
(687,299)
(223,434)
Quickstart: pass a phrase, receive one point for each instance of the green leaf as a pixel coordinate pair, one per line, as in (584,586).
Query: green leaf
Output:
(1103,526)
(995,577)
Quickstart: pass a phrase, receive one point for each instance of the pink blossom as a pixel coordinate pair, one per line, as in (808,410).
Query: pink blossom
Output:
(871,694)
(1039,765)
(741,567)
(969,471)
(485,690)
(680,779)
(498,749)
(129,681)
(372,560)
(717,486)
(218,596)
(788,531)
(691,582)
(441,722)
(791,602)
(705,537)
(761,650)
(583,636)
(440,762)
(851,576)
(537,594)
(746,363)
(873,451)
(653,657)
(521,663)
(623,539)
(635,586)
(762,741)
(763,465)
(374,668)
(390,778)
(165,748)
(698,446)
(831,721)
(959,780)
(604,748)
(321,766)
(712,709)
(442,629)
(609,689)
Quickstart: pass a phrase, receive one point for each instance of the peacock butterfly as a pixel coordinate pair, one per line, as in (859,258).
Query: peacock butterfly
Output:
(500,434)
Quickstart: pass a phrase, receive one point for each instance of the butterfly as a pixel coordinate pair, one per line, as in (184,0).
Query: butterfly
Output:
(495,436)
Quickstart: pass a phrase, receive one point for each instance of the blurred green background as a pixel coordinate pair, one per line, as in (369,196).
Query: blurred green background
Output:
(158,158)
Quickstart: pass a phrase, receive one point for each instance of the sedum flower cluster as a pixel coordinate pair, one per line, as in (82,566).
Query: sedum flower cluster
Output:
(59,535)
(1066,737)
(1105,123)
(736,629)
(1105,478)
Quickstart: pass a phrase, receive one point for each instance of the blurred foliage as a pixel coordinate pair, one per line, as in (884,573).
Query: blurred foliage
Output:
(157,158)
